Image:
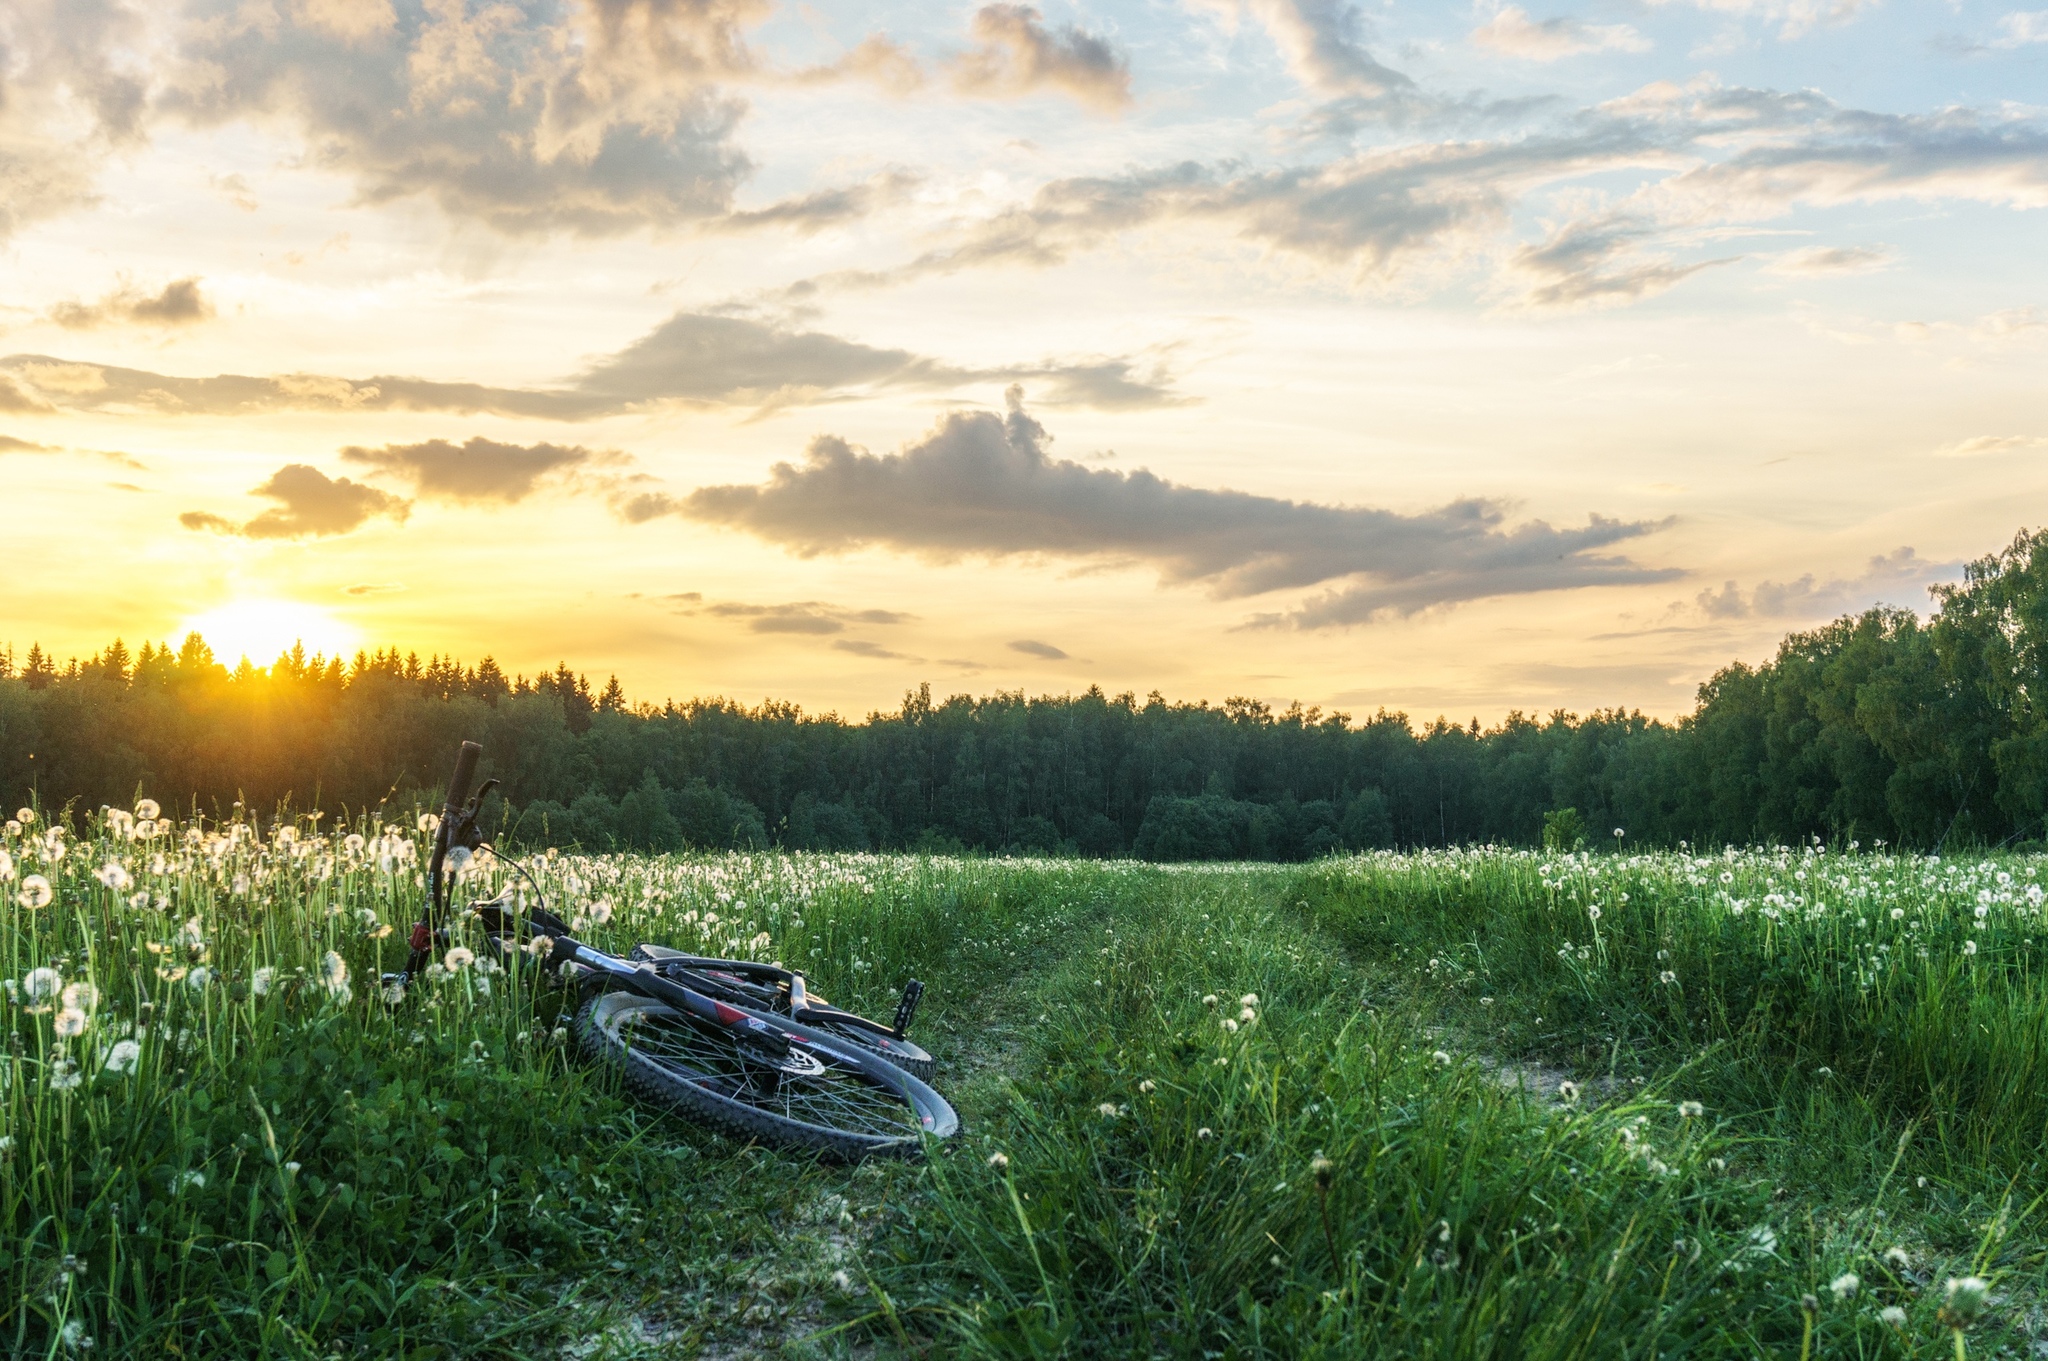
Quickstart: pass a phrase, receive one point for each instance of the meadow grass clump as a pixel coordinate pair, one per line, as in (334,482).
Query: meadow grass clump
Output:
(218,1134)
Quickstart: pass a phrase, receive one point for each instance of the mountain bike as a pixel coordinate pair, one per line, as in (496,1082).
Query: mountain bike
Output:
(740,1046)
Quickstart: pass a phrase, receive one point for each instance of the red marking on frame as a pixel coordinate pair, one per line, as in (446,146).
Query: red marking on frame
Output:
(422,936)
(729,1015)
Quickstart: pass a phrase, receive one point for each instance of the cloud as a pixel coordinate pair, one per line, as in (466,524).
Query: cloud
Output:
(1594,262)
(477,470)
(1900,575)
(593,119)
(372,587)
(1981,445)
(179,304)
(1323,42)
(2022,28)
(1817,261)
(310,504)
(694,359)
(1031,647)
(1015,54)
(799,616)
(70,94)
(10,445)
(860,647)
(983,486)
(1512,33)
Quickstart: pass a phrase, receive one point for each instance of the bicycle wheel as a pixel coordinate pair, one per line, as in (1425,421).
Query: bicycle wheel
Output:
(842,1100)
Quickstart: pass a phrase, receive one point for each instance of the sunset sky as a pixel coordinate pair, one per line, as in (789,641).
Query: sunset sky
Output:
(1451,358)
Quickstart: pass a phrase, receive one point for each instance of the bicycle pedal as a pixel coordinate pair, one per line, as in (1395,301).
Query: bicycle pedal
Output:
(913,993)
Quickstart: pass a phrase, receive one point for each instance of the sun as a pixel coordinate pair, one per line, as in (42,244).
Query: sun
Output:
(263,629)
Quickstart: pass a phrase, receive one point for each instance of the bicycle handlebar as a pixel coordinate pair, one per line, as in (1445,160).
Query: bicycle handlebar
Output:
(458,786)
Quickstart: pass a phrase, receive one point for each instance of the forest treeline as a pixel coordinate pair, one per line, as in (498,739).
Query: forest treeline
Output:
(1878,727)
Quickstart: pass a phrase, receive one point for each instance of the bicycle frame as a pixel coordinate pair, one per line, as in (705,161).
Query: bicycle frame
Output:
(458,837)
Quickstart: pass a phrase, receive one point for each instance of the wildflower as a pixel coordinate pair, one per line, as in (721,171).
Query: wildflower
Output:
(477,1050)
(148,809)
(1593,912)
(1209,1000)
(394,993)
(1568,1091)
(260,981)
(1963,1300)
(427,822)
(1321,1169)
(40,985)
(1969,947)
(81,996)
(333,972)
(1824,1072)
(1221,1062)
(1229,1025)
(1205,1133)
(35,892)
(64,1075)
(199,977)
(1688,1110)
(1250,999)
(458,957)
(1898,914)
(25,816)
(1247,1015)
(69,1023)
(1845,1286)
(1148,1086)
(1107,1110)
(1441,1059)
(74,1337)
(114,875)
(558,1035)
(999,1161)
(1892,1315)
(1897,1257)
(123,1056)
(1667,977)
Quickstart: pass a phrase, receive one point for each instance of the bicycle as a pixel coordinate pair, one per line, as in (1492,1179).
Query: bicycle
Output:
(740,1046)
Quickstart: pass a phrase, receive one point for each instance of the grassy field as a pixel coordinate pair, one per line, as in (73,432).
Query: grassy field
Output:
(1476,1103)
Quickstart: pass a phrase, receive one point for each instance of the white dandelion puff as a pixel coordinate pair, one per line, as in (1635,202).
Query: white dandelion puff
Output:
(260,981)
(999,1161)
(35,892)
(333,972)
(81,996)
(148,809)
(1893,1315)
(123,1056)
(1689,1110)
(458,957)
(69,1023)
(40,985)
(1845,1286)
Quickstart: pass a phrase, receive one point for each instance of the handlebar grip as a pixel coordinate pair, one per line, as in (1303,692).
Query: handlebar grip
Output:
(465,771)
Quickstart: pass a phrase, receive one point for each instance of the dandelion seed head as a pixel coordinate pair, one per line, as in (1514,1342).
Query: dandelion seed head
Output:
(1892,1315)
(459,957)
(1690,1110)
(1148,1086)
(333,972)
(123,1056)
(35,892)
(1441,1059)
(40,985)
(999,1161)
(1845,1286)
(69,1023)
(1205,1133)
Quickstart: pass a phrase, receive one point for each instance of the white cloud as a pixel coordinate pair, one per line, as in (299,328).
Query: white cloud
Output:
(1900,577)
(1980,445)
(2023,27)
(1825,260)
(1512,33)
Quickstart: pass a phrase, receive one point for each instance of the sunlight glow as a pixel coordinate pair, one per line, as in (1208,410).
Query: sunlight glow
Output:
(264,629)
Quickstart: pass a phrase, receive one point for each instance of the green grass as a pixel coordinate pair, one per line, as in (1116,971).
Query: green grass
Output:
(1241,1111)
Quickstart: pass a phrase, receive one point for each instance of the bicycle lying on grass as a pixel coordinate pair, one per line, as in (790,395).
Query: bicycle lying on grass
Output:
(740,1046)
